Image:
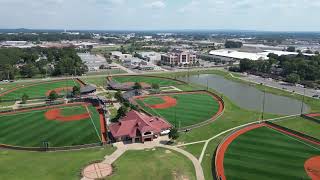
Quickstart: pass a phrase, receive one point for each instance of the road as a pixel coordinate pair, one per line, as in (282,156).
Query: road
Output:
(281,85)
(104,75)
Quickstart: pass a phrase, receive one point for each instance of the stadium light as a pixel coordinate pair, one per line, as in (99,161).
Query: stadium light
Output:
(302,101)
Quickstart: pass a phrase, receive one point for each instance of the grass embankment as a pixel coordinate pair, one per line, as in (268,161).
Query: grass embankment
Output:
(31,129)
(16,165)
(302,125)
(190,109)
(265,153)
(145,79)
(155,164)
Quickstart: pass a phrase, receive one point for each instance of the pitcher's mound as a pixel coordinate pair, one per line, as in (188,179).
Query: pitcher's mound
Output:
(97,171)
(312,167)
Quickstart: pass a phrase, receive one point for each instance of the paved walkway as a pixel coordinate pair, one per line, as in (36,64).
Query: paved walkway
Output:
(123,147)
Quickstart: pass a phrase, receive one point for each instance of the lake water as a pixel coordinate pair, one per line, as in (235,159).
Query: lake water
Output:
(247,96)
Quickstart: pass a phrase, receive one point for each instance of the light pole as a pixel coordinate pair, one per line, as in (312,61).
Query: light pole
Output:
(302,101)
(263,104)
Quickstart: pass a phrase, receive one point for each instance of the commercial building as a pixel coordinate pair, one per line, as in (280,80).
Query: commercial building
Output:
(119,56)
(233,55)
(138,127)
(152,57)
(230,55)
(93,61)
(178,57)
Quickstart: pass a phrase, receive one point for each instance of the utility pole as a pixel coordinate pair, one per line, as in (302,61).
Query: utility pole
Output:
(263,104)
(302,101)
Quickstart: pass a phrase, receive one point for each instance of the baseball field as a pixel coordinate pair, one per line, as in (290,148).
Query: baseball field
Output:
(267,153)
(61,125)
(146,79)
(314,115)
(182,109)
(39,89)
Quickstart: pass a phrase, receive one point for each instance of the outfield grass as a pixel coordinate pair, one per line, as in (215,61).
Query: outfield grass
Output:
(17,165)
(149,80)
(30,129)
(265,153)
(190,109)
(302,125)
(38,90)
(158,164)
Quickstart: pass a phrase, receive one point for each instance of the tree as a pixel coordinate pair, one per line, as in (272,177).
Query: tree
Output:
(102,66)
(24,98)
(29,70)
(173,134)
(122,111)
(155,86)
(53,96)
(293,78)
(291,49)
(76,91)
(137,86)
(308,51)
(118,96)
(233,44)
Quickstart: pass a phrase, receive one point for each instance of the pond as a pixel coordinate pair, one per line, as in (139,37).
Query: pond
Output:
(246,96)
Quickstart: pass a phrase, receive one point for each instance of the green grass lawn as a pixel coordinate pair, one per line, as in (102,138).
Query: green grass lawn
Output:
(107,72)
(194,149)
(145,79)
(302,125)
(265,153)
(98,81)
(38,90)
(30,129)
(17,165)
(157,164)
(190,109)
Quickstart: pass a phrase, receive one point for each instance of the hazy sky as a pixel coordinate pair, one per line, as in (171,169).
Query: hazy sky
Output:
(288,15)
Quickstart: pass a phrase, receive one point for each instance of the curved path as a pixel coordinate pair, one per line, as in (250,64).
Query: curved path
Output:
(122,148)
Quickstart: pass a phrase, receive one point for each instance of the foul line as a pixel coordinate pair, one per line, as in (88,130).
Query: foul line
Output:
(98,134)
(295,139)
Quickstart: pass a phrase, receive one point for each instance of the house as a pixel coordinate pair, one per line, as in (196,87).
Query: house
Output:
(138,127)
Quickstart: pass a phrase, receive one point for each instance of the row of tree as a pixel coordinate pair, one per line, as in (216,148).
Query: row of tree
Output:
(33,61)
(292,68)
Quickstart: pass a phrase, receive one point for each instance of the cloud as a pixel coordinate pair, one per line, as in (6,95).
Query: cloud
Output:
(155,4)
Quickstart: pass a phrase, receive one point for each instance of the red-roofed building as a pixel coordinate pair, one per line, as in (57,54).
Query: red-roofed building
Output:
(138,127)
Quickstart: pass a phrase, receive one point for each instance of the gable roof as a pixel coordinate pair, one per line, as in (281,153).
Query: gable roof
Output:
(133,121)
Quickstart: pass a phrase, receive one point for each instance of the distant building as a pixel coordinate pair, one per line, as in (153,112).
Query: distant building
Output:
(178,57)
(138,127)
(119,56)
(152,57)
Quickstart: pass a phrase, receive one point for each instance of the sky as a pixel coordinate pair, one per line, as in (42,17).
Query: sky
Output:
(266,15)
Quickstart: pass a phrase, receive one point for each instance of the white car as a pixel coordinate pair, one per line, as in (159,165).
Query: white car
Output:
(165,132)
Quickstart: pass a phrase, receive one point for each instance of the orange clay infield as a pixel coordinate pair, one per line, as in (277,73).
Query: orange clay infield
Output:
(58,90)
(97,170)
(168,102)
(55,114)
(312,167)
